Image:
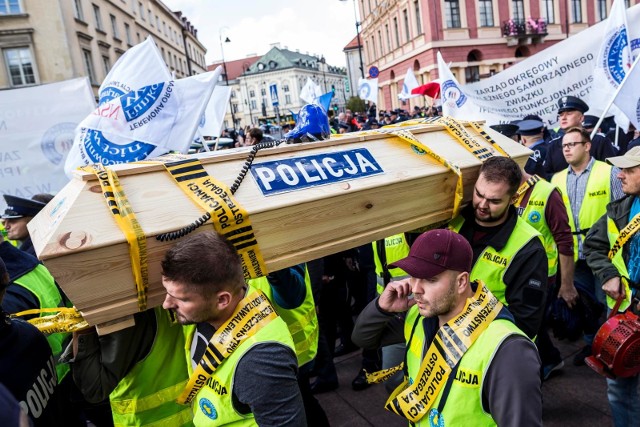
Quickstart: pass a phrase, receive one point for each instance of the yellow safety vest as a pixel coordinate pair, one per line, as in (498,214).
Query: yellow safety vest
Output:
(146,395)
(596,198)
(534,215)
(395,248)
(619,264)
(213,405)
(41,284)
(491,265)
(464,403)
(301,321)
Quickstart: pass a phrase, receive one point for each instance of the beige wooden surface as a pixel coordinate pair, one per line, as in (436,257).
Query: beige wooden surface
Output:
(80,243)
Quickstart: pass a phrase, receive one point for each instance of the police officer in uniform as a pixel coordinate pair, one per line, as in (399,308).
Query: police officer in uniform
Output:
(571,111)
(16,217)
(532,136)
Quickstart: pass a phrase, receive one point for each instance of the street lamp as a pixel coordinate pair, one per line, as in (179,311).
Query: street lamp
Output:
(245,67)
(355,14)
(324,79)
(226,76)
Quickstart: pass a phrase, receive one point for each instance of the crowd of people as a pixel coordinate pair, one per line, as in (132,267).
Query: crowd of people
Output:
(456,320)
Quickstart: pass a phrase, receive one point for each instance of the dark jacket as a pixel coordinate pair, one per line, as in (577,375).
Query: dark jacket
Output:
(596,245)
(601,148)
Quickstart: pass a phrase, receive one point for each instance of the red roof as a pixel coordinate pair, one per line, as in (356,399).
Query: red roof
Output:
(353,44)
(235,68)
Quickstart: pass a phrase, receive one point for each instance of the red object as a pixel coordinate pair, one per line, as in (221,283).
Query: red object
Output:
(431,89)
(616,346)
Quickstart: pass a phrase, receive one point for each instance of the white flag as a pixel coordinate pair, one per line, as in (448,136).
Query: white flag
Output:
(409,83)
(612,63)
(140,66)
(455,102)
(213,116)
(368,89)
(310,91)
(145,123)
(628,98)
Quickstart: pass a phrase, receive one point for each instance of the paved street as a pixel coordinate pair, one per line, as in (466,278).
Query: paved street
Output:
(574,397)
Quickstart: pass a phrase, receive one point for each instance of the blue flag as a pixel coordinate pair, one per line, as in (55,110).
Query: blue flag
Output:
(325,100)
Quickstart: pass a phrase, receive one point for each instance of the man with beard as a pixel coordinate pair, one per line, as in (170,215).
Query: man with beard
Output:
(508,254)
(489,376)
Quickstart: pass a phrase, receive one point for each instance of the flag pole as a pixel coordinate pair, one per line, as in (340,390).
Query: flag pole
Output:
(613,98)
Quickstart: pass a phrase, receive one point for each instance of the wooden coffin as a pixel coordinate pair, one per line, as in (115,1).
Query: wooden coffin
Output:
(80,243)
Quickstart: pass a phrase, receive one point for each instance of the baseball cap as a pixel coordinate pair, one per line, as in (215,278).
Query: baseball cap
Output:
(434,252)
(630,159)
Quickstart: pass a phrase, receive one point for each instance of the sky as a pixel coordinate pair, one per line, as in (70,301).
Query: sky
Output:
(319,27)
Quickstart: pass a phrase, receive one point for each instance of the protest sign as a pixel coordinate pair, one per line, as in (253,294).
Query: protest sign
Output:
(36,129)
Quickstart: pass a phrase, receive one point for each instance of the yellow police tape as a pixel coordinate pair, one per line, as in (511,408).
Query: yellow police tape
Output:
(457,130)
(252,313)
(229,218)
(448,347)
(125,218)
(410,138)
(478,127)
(65,320)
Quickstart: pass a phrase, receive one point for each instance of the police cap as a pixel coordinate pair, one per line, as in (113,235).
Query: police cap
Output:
(568,103)
(530,127)
(506,129)
(17,207)
(589,121)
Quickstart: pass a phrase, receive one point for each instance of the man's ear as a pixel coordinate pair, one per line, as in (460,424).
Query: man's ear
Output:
(223,299)
(462,281)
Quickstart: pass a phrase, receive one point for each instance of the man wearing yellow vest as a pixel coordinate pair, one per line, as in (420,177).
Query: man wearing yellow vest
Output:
(587,186)
(467,363)
(508,254)
(619,271)
(540,204)
(240,354)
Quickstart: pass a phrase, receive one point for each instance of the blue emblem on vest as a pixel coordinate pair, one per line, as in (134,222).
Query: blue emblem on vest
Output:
(208,409)
(534,217)
(435,418)
(451,94)
(100,150)
(57,141)
(136,103)
(614,57)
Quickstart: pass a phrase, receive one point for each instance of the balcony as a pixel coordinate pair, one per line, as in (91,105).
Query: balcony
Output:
(519,32)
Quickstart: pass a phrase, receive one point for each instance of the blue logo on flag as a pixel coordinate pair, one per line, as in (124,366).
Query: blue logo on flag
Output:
(99,149)
(364,90)
(109,93)
(452,95)
(302,172)
(136,103)
(57,141)
(615,59)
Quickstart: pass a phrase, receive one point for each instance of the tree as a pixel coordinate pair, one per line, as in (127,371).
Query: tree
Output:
(356,104)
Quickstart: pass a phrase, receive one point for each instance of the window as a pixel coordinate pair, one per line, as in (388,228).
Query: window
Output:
(518,10)
(106,63)
(138,37)
(396,32)
(386,30)
(77,10)
(485,8)
(157,22)
(127,33)
(416,7)
(547,11)
(263,91)
(252,93)
(96,14)
(88,65)
(10,7)
(287,99)
(472,74)
(114,27)
(141,8)
(452,14)
(405,16)
(254,105)
(285,87)
(20,66)
(380,43)
(576,11)
(602,10)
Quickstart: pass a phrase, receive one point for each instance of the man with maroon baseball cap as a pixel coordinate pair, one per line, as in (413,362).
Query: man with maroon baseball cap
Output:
(465,356)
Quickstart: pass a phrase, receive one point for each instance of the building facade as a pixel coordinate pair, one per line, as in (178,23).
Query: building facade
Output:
(478,38)
(55,40)
(251,78)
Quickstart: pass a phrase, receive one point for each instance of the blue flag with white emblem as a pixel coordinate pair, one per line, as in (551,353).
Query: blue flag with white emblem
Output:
(144,123)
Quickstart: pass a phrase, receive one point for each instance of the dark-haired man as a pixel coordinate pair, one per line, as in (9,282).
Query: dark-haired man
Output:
(508,254)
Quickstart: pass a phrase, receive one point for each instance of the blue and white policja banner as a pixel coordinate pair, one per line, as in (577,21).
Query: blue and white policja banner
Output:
(37,127)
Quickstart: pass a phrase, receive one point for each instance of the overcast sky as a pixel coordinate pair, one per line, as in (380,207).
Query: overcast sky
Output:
(318,27)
